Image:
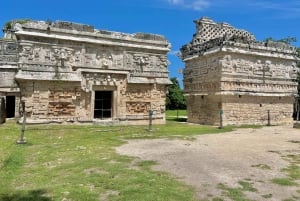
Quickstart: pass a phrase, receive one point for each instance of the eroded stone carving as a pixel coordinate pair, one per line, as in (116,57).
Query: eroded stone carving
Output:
(138,107)
(104,60)
(26,52)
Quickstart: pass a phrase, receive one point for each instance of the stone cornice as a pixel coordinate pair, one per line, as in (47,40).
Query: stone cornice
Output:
(90,35)
(240,48)
(99,41)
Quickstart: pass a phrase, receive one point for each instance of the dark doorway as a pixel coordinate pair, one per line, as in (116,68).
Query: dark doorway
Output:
(103,104)
(10,106)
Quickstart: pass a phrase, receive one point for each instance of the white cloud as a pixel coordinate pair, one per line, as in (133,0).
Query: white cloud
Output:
(191,4)
(286,9)
(176,2)
(174,53)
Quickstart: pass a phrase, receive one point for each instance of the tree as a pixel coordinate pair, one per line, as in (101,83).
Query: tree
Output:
(287,40)
(175,99)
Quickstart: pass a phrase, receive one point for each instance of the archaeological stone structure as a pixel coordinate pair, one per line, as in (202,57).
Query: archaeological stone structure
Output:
(231,78)
(69,72)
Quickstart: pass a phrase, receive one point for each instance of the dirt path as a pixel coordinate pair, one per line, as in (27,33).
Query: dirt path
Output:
(252,155)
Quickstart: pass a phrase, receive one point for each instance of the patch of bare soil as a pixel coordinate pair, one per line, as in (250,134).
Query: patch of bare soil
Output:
(253,155)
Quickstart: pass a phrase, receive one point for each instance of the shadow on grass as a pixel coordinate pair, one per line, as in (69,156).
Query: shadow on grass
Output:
(34,195)
(296,124)
(179,119)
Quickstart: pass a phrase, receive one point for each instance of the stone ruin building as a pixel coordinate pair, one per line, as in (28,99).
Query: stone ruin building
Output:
(69,72)
(231,77)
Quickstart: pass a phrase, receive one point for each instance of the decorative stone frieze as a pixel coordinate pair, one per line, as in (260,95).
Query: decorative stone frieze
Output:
(9,90)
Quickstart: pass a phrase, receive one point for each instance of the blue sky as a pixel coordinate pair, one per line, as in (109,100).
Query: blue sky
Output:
(171,18)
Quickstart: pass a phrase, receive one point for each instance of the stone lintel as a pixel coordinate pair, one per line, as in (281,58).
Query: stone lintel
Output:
(7,67)
(9,89)
(47,76)
(85,69)
(144,80)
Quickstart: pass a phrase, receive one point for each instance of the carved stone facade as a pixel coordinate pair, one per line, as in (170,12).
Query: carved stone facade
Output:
(227,71)
(8,64)
(9,91)
(72,72)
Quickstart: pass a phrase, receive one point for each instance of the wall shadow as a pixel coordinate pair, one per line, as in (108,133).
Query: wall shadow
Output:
(34,195)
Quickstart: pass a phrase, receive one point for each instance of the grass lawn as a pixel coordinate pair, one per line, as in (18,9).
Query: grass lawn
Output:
(176,115)
(79,162)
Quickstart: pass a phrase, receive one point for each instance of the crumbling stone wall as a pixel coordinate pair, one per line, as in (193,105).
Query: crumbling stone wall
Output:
(254,109)
(207,30)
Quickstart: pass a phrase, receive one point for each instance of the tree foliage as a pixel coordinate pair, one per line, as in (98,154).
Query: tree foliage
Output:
(287,40)
(175,99)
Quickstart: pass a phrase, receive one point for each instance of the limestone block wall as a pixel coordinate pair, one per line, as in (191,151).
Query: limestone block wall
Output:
(204,109)
(254,110)
(239,110)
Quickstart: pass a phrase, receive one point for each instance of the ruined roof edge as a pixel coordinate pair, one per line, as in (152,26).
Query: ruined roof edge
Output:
(70,28)
(211,35)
